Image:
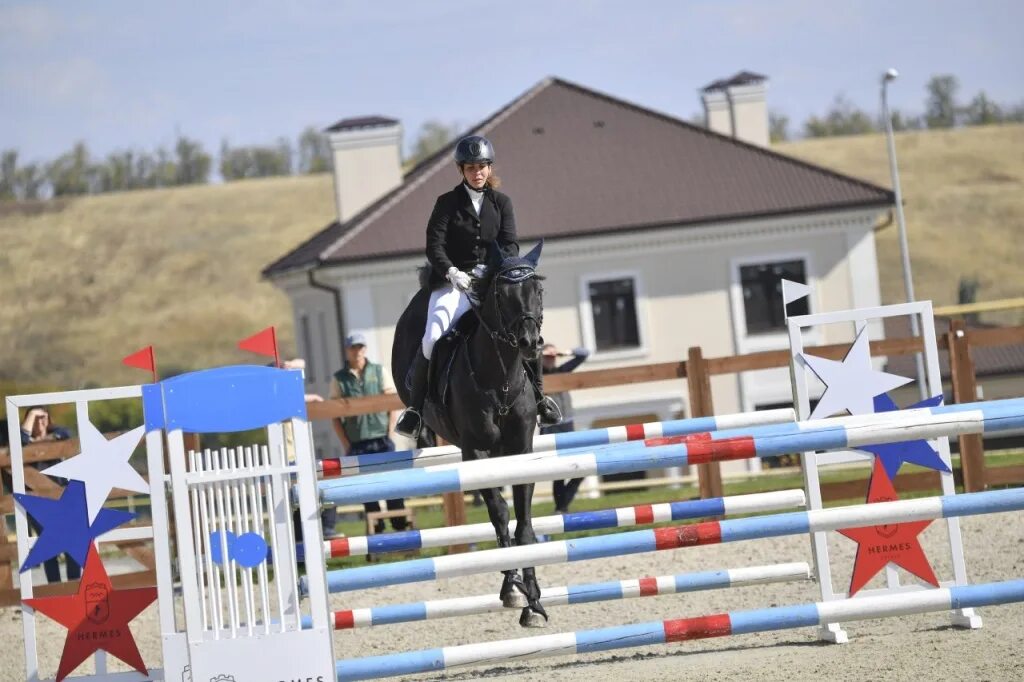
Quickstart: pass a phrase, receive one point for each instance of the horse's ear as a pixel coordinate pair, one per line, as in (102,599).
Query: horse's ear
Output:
(534,255)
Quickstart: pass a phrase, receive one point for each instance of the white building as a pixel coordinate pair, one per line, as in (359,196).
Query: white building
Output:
(659,235)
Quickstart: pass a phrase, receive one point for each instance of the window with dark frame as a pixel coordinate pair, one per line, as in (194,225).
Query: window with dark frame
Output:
(613,307)
(762,294)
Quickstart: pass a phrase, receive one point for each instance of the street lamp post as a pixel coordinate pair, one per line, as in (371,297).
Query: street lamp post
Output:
(908,281)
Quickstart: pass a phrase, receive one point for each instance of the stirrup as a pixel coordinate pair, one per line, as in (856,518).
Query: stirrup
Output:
(409,423)
(548,412)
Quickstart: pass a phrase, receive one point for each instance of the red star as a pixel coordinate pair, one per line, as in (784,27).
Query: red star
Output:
(896,543)
(96,618)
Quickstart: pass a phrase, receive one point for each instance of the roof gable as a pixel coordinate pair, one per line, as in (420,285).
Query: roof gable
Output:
(578,162)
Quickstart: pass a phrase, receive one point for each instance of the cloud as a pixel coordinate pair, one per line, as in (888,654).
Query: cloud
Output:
(26,27)
(75,81)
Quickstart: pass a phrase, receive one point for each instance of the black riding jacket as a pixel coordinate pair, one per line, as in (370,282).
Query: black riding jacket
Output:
(457,236)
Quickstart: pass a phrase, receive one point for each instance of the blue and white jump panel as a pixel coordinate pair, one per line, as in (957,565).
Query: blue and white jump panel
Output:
(678,630)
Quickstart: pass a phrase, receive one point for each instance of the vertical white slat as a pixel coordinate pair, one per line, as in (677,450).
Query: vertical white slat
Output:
(197,534)
(289,576)
(188,571)
(251,462)
(213,575)
(275,549)
(161,531)
(309,507)
(227,565)
(241,527)
(28,622)
(247,525)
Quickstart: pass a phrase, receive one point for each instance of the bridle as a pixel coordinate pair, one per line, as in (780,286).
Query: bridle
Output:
(516,273)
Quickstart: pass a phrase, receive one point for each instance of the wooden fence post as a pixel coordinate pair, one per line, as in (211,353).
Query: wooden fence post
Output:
(965,390)
(454,505)
(6,568)
(698,381)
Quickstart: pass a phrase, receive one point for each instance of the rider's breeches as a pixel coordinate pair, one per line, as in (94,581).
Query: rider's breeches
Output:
(447,305)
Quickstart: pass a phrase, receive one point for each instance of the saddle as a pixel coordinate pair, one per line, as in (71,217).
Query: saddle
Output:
(442,359)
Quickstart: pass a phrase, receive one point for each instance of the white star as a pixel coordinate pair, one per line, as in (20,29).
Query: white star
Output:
(102,465)
(851,384)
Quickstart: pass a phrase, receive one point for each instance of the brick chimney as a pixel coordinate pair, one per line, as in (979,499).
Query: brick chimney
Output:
(736,107)
(367,161)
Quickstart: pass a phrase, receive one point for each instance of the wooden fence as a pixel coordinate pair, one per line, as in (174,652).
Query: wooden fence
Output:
(698,370)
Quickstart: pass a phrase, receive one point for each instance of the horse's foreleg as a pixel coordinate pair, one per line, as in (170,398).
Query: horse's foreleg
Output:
(512,590)
(533,615)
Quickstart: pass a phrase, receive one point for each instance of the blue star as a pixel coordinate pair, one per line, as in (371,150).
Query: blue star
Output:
(917,452)
(65,525)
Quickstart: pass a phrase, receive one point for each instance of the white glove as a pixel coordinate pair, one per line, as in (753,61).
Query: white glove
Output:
(459,279)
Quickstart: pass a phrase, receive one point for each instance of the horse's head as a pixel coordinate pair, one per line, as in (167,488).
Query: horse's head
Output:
(513,300)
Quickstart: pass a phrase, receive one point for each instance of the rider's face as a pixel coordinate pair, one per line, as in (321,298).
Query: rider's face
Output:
(476,174)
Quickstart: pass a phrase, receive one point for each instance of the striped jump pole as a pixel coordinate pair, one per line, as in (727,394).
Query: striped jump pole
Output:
(574,594)
(565,523)
(716,446)
(675,537)
(679,630)
(552,443)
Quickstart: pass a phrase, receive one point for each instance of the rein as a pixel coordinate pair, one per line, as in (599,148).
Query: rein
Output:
(516,274)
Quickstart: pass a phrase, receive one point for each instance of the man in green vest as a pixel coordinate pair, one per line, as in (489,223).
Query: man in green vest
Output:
(366,433)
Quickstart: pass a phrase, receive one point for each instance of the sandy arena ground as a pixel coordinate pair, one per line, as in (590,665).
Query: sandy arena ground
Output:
(920,647)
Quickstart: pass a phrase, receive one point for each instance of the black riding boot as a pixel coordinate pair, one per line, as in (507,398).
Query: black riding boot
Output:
(411,420)
(548,412)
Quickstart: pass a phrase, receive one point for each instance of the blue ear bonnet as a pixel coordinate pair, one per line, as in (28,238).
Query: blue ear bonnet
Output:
(516,270)
(520,268)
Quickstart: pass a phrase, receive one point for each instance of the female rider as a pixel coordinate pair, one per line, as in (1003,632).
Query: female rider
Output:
(462,225)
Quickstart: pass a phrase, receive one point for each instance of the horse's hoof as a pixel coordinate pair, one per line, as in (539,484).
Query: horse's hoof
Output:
(514,600)
(531,619)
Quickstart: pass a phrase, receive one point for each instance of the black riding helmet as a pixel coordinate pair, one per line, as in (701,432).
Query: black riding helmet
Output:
(474,149)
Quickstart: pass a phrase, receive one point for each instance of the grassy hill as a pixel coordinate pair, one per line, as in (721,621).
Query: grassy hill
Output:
(89,280)
(963,193)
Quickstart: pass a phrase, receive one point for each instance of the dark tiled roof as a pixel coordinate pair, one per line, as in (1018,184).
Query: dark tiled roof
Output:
(361,122)
(988,360)
(578,162)
(741,78)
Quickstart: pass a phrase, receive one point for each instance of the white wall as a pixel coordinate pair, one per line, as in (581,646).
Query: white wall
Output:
(687,287)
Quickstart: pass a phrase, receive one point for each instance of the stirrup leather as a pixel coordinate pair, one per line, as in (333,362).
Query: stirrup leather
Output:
(409,423)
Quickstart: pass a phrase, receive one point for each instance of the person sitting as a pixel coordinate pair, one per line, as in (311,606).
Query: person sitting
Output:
(464,223)
(37,428)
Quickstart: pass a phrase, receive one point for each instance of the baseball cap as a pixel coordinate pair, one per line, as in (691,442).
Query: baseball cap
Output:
(355,339)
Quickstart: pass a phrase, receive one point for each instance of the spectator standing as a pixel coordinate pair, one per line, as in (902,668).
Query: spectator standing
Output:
(366,433)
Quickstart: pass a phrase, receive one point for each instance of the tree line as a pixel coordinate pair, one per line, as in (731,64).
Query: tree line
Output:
(942,109)
(78,172)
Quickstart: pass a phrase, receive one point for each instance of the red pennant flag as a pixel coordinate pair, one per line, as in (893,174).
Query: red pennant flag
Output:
(262,343)
(142,359)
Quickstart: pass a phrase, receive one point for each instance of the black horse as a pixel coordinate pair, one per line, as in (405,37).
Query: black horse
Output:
(481,398)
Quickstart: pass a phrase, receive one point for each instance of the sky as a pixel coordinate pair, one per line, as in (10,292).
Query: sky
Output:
(120,75)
